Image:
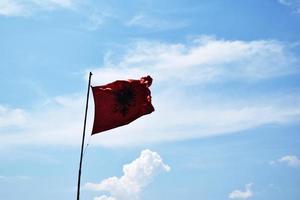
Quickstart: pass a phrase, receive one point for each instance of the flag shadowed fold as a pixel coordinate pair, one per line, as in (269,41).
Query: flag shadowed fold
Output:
(121,102)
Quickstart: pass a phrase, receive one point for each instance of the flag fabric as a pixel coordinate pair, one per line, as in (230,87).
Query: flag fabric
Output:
(121,102)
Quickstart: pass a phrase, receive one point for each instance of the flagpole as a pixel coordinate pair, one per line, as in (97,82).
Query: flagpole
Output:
(83,136)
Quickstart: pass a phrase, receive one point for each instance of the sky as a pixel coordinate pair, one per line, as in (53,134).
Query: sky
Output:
(226,82)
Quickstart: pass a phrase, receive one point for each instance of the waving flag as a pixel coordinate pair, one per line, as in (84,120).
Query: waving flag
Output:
(121,102)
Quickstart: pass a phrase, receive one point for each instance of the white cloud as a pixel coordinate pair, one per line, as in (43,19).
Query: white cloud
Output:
(238,194)
(54,3)
(178,67)
(142,20)
(11,8)
(185,105)
(27,7)
(98,19)
(12,117)
(285,2)
(150,22)
(204,59)
(136,176)
(58,121)
(293,4)
(95,21)
(104,197)
(289,2)
(290,160)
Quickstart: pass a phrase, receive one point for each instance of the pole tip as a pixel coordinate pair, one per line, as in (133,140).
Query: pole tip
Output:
(91,73)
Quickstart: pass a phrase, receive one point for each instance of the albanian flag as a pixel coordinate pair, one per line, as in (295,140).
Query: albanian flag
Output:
(121,102)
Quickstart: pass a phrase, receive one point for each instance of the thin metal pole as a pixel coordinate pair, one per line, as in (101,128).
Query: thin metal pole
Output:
(83,136)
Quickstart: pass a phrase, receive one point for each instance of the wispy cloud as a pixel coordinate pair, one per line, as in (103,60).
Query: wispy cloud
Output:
(51,123)
(187,104)
(27,7)
(12,117)
(49,4)
(289,160)
(238,194)
(15,178)
(12,8)
(150,22)
(136,176)
(92,17)
(293,4)
(204,59)
(97,19)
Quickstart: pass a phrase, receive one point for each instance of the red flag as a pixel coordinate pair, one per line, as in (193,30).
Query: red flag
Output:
(121,102)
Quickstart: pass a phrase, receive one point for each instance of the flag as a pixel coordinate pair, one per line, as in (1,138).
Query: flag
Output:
(121,102)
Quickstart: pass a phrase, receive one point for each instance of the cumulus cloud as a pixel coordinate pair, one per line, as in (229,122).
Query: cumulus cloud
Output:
(185,97)
(238,194)
(27,7)
(290,160)
(136,176)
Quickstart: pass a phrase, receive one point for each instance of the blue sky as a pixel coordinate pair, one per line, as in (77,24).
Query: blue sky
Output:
(226,93)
